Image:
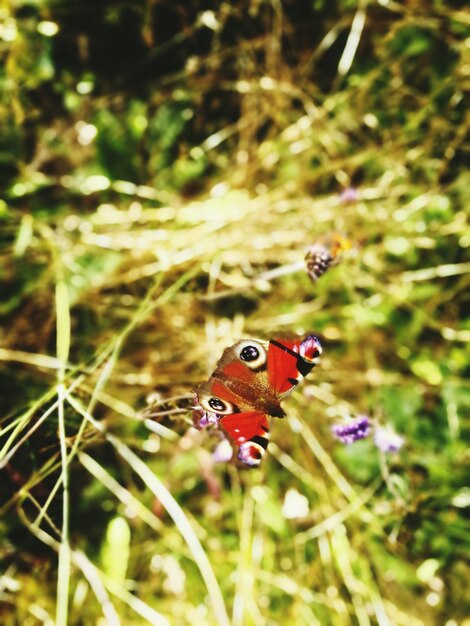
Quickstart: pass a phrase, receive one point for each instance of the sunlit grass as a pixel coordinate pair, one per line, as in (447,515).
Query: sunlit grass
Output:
(134,252)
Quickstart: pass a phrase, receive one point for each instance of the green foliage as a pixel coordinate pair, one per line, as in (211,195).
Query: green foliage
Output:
(164,167)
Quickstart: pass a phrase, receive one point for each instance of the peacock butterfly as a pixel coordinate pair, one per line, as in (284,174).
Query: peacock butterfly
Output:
(247,387)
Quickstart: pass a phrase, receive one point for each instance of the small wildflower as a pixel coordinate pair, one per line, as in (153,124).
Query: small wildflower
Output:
(387,440)
(223,452)
(353,430)
(204,418)
(349,195)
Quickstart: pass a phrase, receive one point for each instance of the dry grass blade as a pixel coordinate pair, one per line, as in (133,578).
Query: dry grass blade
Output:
(325,460)
(174,510)
(63,348)
(245,588)
(99,583)
(179,517)
(336,519)
(124,495)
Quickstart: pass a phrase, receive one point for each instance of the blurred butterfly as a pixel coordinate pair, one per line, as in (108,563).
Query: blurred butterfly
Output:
(247,387)
(325,253)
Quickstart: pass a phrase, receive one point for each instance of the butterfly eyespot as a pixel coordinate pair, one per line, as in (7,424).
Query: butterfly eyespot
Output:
(250,453)
(216,404)
(249,353)
(310,349)
(213,404)
(252,353)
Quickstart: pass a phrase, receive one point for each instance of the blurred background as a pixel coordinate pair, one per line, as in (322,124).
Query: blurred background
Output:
(164,167)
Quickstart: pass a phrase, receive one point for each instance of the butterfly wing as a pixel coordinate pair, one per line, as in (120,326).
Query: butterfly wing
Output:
(290,361)
(241,379)
(250,432)
(247,385)
(230,394)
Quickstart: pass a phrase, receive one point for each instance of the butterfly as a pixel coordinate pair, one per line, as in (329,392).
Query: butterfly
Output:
(325,253)
(247,387)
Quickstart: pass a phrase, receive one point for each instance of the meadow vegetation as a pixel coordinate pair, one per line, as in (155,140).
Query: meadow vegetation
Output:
(163,168)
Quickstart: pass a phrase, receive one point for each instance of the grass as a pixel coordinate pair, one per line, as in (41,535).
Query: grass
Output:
(157,209)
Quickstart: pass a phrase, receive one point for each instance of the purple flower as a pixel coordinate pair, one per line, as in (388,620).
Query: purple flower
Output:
(387,440)
(348,195)
(208,418)
(353,430)
(223,452)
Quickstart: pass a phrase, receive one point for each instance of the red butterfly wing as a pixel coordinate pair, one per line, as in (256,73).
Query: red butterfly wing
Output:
(282,366)
(289,361)
(241,427)
(241,393)
(250,431)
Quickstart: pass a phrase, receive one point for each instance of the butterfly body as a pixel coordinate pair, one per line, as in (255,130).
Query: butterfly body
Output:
(248,385)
